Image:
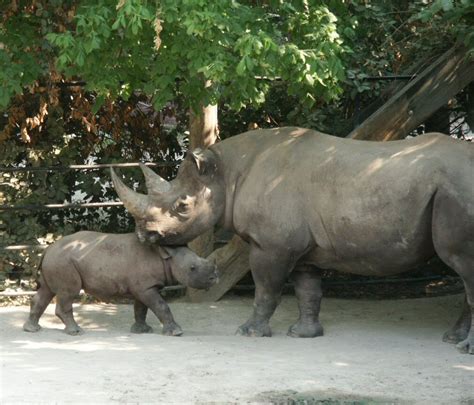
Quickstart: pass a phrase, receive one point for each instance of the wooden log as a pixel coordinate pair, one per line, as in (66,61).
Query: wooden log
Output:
(419,99)
(232,263)
(203,245)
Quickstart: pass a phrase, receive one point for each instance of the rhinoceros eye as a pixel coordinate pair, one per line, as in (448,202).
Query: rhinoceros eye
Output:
(180,206)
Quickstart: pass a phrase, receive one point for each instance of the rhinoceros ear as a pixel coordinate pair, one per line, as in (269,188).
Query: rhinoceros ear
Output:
(155,184)
(134,202)
(204,159)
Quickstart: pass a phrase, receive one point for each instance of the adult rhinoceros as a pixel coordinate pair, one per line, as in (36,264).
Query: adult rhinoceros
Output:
(307,201)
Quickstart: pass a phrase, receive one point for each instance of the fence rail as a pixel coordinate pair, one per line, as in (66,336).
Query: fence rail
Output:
(45,207)
(84,167)
(24,247)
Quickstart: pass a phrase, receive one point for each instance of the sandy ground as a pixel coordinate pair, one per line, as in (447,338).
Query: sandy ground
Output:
(374,351)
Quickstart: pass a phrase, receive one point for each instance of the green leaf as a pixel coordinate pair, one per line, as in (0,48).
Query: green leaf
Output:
(241,67)
(447,5)
(99,102)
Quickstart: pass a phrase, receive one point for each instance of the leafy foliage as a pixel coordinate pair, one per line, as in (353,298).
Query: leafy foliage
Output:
(458,17)
(174,47)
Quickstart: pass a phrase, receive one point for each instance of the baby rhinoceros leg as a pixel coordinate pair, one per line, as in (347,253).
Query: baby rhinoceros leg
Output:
(140,325)
(153,300)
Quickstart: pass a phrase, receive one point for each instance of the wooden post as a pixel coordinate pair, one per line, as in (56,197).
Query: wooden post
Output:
(419,99)
(233,264)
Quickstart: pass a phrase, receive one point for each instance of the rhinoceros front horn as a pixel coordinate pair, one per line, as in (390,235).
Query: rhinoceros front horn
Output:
(134,202)
(155,184)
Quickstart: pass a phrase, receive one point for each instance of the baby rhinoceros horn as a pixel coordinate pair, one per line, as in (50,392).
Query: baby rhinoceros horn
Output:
(134,202)
(155,184)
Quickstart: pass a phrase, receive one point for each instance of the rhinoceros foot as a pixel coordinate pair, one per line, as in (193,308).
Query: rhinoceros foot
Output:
(254,330)
(305,330)
(141,328)
(467,345)
(31,327)
(172,329)
(455,335)
(74,330)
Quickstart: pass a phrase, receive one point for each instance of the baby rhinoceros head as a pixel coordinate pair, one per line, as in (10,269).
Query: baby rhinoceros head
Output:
(192,270)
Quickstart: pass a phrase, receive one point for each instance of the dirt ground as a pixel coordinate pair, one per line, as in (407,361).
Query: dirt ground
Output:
(387,351)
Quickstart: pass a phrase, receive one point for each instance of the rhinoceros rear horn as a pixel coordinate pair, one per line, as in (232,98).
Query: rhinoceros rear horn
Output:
(134,202)
(155,184)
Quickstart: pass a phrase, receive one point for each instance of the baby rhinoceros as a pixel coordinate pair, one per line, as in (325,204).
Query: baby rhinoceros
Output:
(108,265)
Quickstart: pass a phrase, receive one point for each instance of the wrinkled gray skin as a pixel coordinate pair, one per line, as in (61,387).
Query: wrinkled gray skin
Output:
(307,201)
(109,265)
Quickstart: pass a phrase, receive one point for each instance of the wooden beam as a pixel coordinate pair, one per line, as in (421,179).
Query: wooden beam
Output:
(232,263)
(419,99)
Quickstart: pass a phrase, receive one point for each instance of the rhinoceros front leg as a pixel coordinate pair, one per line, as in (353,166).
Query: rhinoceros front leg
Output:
(152,299)
(307,283)
(140,325)
(270,271)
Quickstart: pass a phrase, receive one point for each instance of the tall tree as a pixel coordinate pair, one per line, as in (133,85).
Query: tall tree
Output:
(170,47)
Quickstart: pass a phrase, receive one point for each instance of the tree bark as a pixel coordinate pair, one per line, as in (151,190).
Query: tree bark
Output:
(203,127)
(203,132)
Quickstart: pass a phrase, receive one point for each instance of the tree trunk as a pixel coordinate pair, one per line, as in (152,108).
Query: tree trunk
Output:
(203,132)
(203,127)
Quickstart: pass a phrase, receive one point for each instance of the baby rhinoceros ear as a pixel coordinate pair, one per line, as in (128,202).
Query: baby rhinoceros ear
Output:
(205,161)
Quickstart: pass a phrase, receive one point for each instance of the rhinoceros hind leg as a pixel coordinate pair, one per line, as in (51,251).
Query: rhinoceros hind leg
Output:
(460,330)
(252,329)
(38,305)
(467,345)
(307,283)
(140,325)
(453,227)
(64,312)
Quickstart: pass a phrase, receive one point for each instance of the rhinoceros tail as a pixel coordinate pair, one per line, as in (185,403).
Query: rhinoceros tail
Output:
(41,279)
